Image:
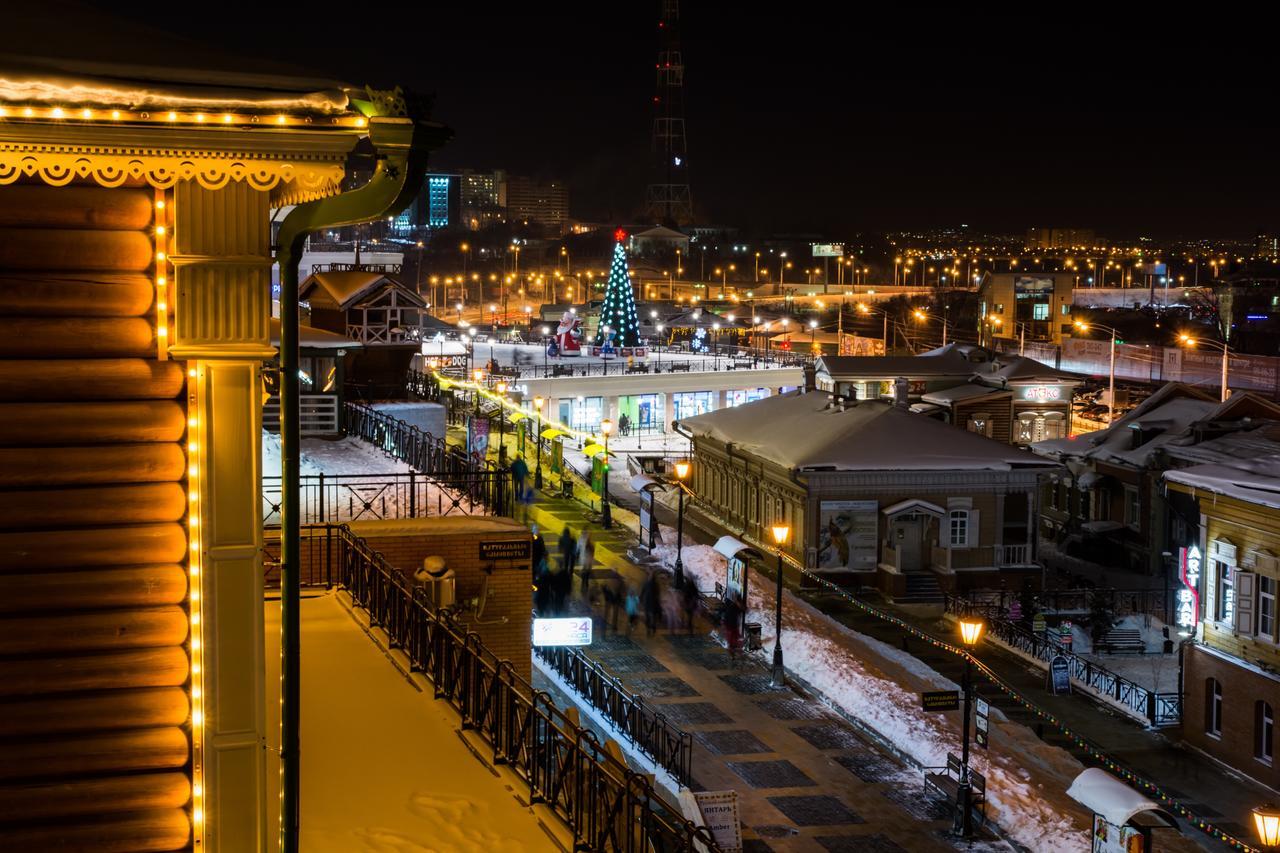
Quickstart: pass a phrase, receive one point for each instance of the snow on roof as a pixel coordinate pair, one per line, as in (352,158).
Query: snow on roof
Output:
(963,392)
(313,338)
(799,431)
(941,362)
(1166,422)
(1115,801)
(730,547)
(1018,368)
(341,287)
(1257,482)
(1254,441)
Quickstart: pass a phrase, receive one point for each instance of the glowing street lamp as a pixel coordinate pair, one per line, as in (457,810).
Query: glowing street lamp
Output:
(970,634)
(778,676)
(606,519)
(1226,350)
(1266,819)
(1111,373)
(682,474)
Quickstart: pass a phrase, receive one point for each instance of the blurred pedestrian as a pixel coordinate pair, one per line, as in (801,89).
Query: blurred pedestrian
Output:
(612,603)
(631,603)
(568,554)
(690,601)
(538,560)
(731,624)
(651,600)
(586,552)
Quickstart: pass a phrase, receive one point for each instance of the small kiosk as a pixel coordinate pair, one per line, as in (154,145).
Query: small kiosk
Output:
(1122,818)
(735,582)
(647,488)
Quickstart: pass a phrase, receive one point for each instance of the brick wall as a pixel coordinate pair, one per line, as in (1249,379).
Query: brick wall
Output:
(405,543)
(1241,689)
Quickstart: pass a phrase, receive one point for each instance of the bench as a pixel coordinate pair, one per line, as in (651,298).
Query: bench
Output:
(680,365)
(638,368)
(1122,640)
(946,781)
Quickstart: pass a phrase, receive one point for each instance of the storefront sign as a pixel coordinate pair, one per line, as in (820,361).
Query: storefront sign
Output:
(573,631)
(981,722)
(720,815)
(1059,675)
(514,549)
(940,700)
(735,579)
(1042,393)
(1189,596)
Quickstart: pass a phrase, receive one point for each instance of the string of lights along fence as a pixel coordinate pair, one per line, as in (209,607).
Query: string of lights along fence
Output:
(1089,748)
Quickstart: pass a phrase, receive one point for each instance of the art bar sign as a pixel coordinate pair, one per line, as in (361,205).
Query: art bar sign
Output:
(1189,595)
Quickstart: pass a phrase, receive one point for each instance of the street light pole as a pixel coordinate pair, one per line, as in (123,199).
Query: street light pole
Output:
(682,472)
(778,676)
(537,407)
(502,425)
(970,633)
(606,519)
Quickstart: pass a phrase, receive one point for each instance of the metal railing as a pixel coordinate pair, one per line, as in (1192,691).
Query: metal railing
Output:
(669,747)
(1157,709)
(317,414)
(373,497)
(606,805)
(485,482)
(1122,602)
(1013,555)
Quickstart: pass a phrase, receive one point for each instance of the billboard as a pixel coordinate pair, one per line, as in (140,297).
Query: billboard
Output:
(848,535)
(828,250)
(858,345)
(572,631)
(1032,285)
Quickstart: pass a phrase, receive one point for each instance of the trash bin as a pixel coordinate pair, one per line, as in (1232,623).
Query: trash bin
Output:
(751,636)
(437,582)
(566,488)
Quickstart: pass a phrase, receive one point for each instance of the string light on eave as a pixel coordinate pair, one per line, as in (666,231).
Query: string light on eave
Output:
(181,117)
(194,608)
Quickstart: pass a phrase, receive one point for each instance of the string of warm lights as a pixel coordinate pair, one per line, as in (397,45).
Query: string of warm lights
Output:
(162,275)
(483,391)
(1088,747)
(194,561)
(175,117)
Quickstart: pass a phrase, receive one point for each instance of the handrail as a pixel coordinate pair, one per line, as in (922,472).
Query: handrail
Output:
(1157,709)
(670,747)
(608,806)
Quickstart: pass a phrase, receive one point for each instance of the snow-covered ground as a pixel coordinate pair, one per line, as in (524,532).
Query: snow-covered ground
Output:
(880,686)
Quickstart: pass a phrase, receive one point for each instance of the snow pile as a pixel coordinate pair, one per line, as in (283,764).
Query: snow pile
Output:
(879,686)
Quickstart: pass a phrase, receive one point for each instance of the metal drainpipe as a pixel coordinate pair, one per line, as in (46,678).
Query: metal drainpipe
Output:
(402,143)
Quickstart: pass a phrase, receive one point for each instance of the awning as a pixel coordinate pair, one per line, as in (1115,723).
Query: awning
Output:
(592,449)
(729,547)
(1119,804)
(551,432)
(516,417)
(643,482)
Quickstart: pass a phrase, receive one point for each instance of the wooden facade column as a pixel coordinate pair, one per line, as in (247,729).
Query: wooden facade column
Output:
(222,306)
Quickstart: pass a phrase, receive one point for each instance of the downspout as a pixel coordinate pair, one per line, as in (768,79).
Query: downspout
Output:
(402,142)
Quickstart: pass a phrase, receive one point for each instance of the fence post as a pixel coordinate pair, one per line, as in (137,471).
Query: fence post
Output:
(413,495)
(323,518)
(1151,707)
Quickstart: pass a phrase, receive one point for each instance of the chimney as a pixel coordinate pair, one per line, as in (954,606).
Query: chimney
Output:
(900,388)
(810,377)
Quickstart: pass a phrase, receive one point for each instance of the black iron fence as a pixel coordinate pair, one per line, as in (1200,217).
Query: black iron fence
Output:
(1158,709)
(366,497)
(607,806)
(1122,602)
(648,730)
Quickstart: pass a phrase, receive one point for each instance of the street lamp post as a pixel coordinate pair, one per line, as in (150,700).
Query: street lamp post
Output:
(1226,352)
(501,388)
(1111,370)
(606,519)
(970,633)
(682,473)
(537,408)
(778,676)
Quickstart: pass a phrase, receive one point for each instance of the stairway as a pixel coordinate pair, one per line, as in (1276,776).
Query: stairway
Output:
(922,588)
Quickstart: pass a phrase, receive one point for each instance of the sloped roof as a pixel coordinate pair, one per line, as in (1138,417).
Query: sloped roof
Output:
(1258,482)
(851,367)
(314,338)
(343,288)
(1019,368)
(947,396)
(800,431)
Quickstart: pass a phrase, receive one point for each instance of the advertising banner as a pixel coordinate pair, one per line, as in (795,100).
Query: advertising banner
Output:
(848,533)
(557,457)
(858,345)
(1059,675)
(477,439)
(720,815)
(573,631)
(982,723)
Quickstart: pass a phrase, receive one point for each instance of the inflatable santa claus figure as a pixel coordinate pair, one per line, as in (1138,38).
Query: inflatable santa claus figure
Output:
(569,335)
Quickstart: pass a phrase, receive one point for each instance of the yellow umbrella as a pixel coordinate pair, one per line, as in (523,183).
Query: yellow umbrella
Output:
(593,449)
(552,433)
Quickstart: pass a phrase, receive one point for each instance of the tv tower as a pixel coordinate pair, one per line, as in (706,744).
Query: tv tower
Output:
(668,199)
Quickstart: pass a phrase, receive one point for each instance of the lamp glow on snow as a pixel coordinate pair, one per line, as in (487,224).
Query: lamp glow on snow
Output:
(971,631)
(682,470)
(1266,819)
(781,532)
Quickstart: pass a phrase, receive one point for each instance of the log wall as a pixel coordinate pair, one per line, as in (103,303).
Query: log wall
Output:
(94,668)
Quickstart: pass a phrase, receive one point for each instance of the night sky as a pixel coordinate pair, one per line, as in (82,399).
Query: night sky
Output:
(805,119)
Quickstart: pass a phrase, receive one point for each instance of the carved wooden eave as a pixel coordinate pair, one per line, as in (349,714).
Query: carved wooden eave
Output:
(294,164)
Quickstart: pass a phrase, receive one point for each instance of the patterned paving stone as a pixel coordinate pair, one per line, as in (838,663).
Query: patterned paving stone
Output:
(830,734)
(661,688)
(771,774)
(776,830)
(868,766)
(755,845)
(736,742)
(691,642)
(619,663)
(859,844)
(816,810)
(613,643)
(694,713)
(709,659)
(751,683)
(791,708)
(918,802)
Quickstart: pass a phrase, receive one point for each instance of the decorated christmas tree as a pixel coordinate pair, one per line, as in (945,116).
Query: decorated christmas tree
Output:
(618,314)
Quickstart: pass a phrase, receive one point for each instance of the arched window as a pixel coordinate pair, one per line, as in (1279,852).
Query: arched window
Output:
(1213,707)
(1264,724)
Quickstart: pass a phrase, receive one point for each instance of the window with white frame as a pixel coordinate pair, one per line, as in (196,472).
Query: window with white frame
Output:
(1132,507)
(1213,707)
(1264,725)
(1223,592)
(1267,608)
(958,520)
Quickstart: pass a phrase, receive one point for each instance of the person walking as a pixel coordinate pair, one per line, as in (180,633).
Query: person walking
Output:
(520,479)
(689,596)
(651,599)
(538,552)
(631,604)
(586,552)
(568,556)
(731,624)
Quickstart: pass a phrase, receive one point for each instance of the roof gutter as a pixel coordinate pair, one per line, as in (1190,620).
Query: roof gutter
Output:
(402,137)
